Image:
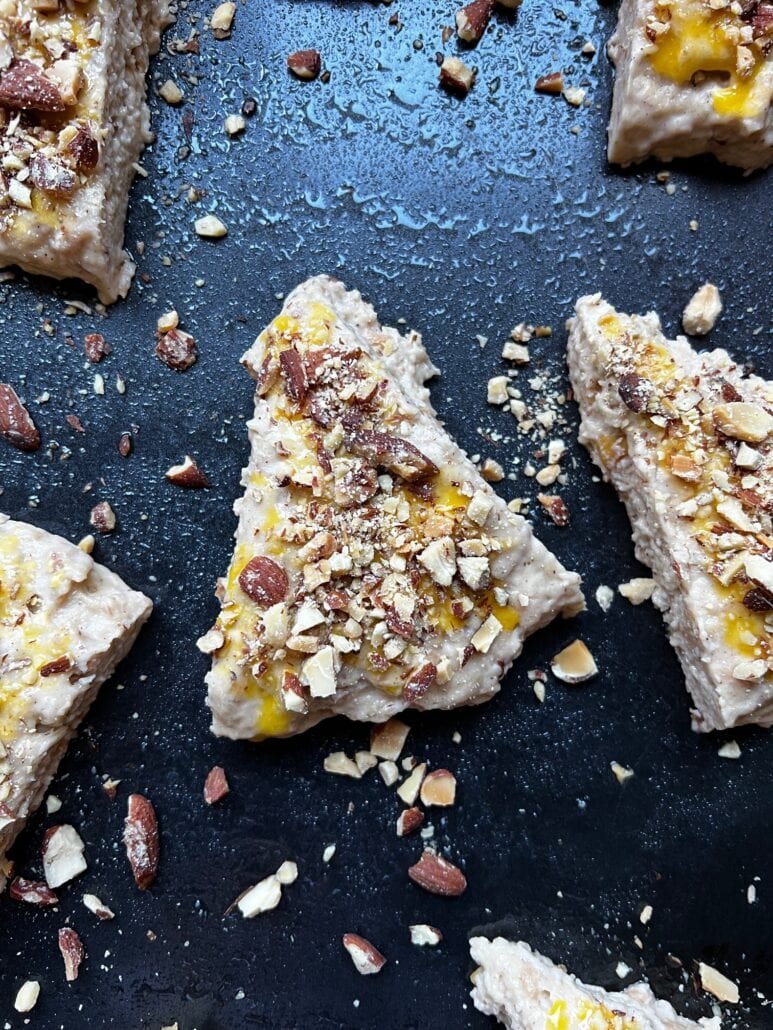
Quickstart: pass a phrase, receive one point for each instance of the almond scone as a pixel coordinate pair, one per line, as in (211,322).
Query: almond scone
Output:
(687,441)
(65,623)
(526,991)
(374,568)
(73,123)
(693,77)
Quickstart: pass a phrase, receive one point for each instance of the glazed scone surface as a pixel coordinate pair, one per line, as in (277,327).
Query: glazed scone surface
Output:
(687,441)
(65,622)
(692,77)
(374,568)
(73,123)
(526,991)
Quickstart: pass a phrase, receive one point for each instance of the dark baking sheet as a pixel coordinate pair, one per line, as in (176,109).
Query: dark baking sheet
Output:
(461,218)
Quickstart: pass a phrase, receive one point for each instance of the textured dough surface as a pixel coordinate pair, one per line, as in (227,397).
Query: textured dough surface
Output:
(66,623)
(686,526)
(245,682)
(78,231)
(526,991)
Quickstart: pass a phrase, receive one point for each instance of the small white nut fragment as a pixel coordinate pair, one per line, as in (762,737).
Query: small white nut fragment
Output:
(747,457)
(287,873)
(517,352)
(234,124)
(87,543)
(222,19)
(366,957)
(492,471)
(388,739)
(63,855)
(171,92)
(408,790)
(604,597)
(438,788)
(496,390)
(456,77)
(750,671)
(574,664)
(474,572)
(574,95)
(743,421)
(365,761)
(210,227)
(341,765)
(479,508)
(53,803)
(27,996)
(730,750)
(261,898)
(702,311)
(645,915)
(102,517)
(168,321)
(211,641)
(424,935)
(486,634)
(439,559)
(328,853)
(621,772)
(319,674)
(637,590)
(98,907)
(760,570)
(718,984)
(389,772)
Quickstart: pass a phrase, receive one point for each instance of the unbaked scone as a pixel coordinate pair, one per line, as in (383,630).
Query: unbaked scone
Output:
(526,991)
(65,624)
(73,123)
(374,568)
(687,441)
(693,77)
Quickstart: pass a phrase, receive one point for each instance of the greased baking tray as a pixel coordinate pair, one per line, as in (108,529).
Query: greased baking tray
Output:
(462,218)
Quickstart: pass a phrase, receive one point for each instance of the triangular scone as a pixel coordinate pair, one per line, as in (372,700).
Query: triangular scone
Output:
(73,123)
(687,441)
(65,623)
(374,568)
(525,991)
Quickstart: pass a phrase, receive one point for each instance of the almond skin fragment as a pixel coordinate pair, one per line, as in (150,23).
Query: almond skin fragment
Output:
(216,785)
(96,347)
(392,453)
(439,788)
(73,952)
(472,20)
(188,475)
(366,957)
(34,892)
(141,839)
(409,821)
(24,87)
(16,425)
(418,685)
(176,349)
(556,509)
(552,84)
(264,581)
(437,875)
(456,77)
(305,64)
(102,517)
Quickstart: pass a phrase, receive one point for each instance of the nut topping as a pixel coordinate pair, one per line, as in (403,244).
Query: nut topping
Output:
(73,952)
(366,957)
(472,20)
(62,855)
(552,84)
(216,785)
(743,421)
(16,425)
(574,664)
(438,788)
(188,475)
(141,840)
(176,349)
(24,87)
(96,347)
(456,77)
(437,875)
(393,454)
(264,581)
(33,892)
(305,64)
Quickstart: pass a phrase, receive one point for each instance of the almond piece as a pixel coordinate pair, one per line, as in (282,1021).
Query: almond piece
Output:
(34,892)
(574,664)
(16,425)
(409,821)
(366,957)
(102,517)
(702,311)
(222,20)
(73,952)
(718,984)
(96,347)
(437,875)
(264,581)
(141,839)
(552,84)
(263,897)
(62,855)
(27,996)
(176,349)
(305,64)
(188,475)
(556,509)
(210,227)
(456,77)
(418,685)
(743,421)
(216,785)
(424,935)
(24,87)
(393,453)
(408,790)
(438,788)
(95,905)
(387,740)
(472,20)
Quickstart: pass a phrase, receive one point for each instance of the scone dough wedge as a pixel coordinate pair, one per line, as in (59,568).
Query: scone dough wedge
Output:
(693,77)
(687,441)
(73,123)
(526,991)
(65,624)
(374,568)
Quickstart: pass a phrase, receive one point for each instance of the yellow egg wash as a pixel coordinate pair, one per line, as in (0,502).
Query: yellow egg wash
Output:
(585,1015)
(702,40)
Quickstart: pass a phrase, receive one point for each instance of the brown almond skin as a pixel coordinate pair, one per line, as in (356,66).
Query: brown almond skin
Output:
(141,839)
(73,952)
(418,685)
(552,84)
(176,349)
(57,666)
(374,956)
(437,875)
(190,477)
(263,581)
(294,372)
(409,821)
(475,19)
(34,892)
(16,425)
(24,87)
(216,785)
(96,347)
(392,453)
(305,64)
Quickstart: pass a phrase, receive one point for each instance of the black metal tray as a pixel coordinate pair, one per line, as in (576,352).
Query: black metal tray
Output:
(462,217)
